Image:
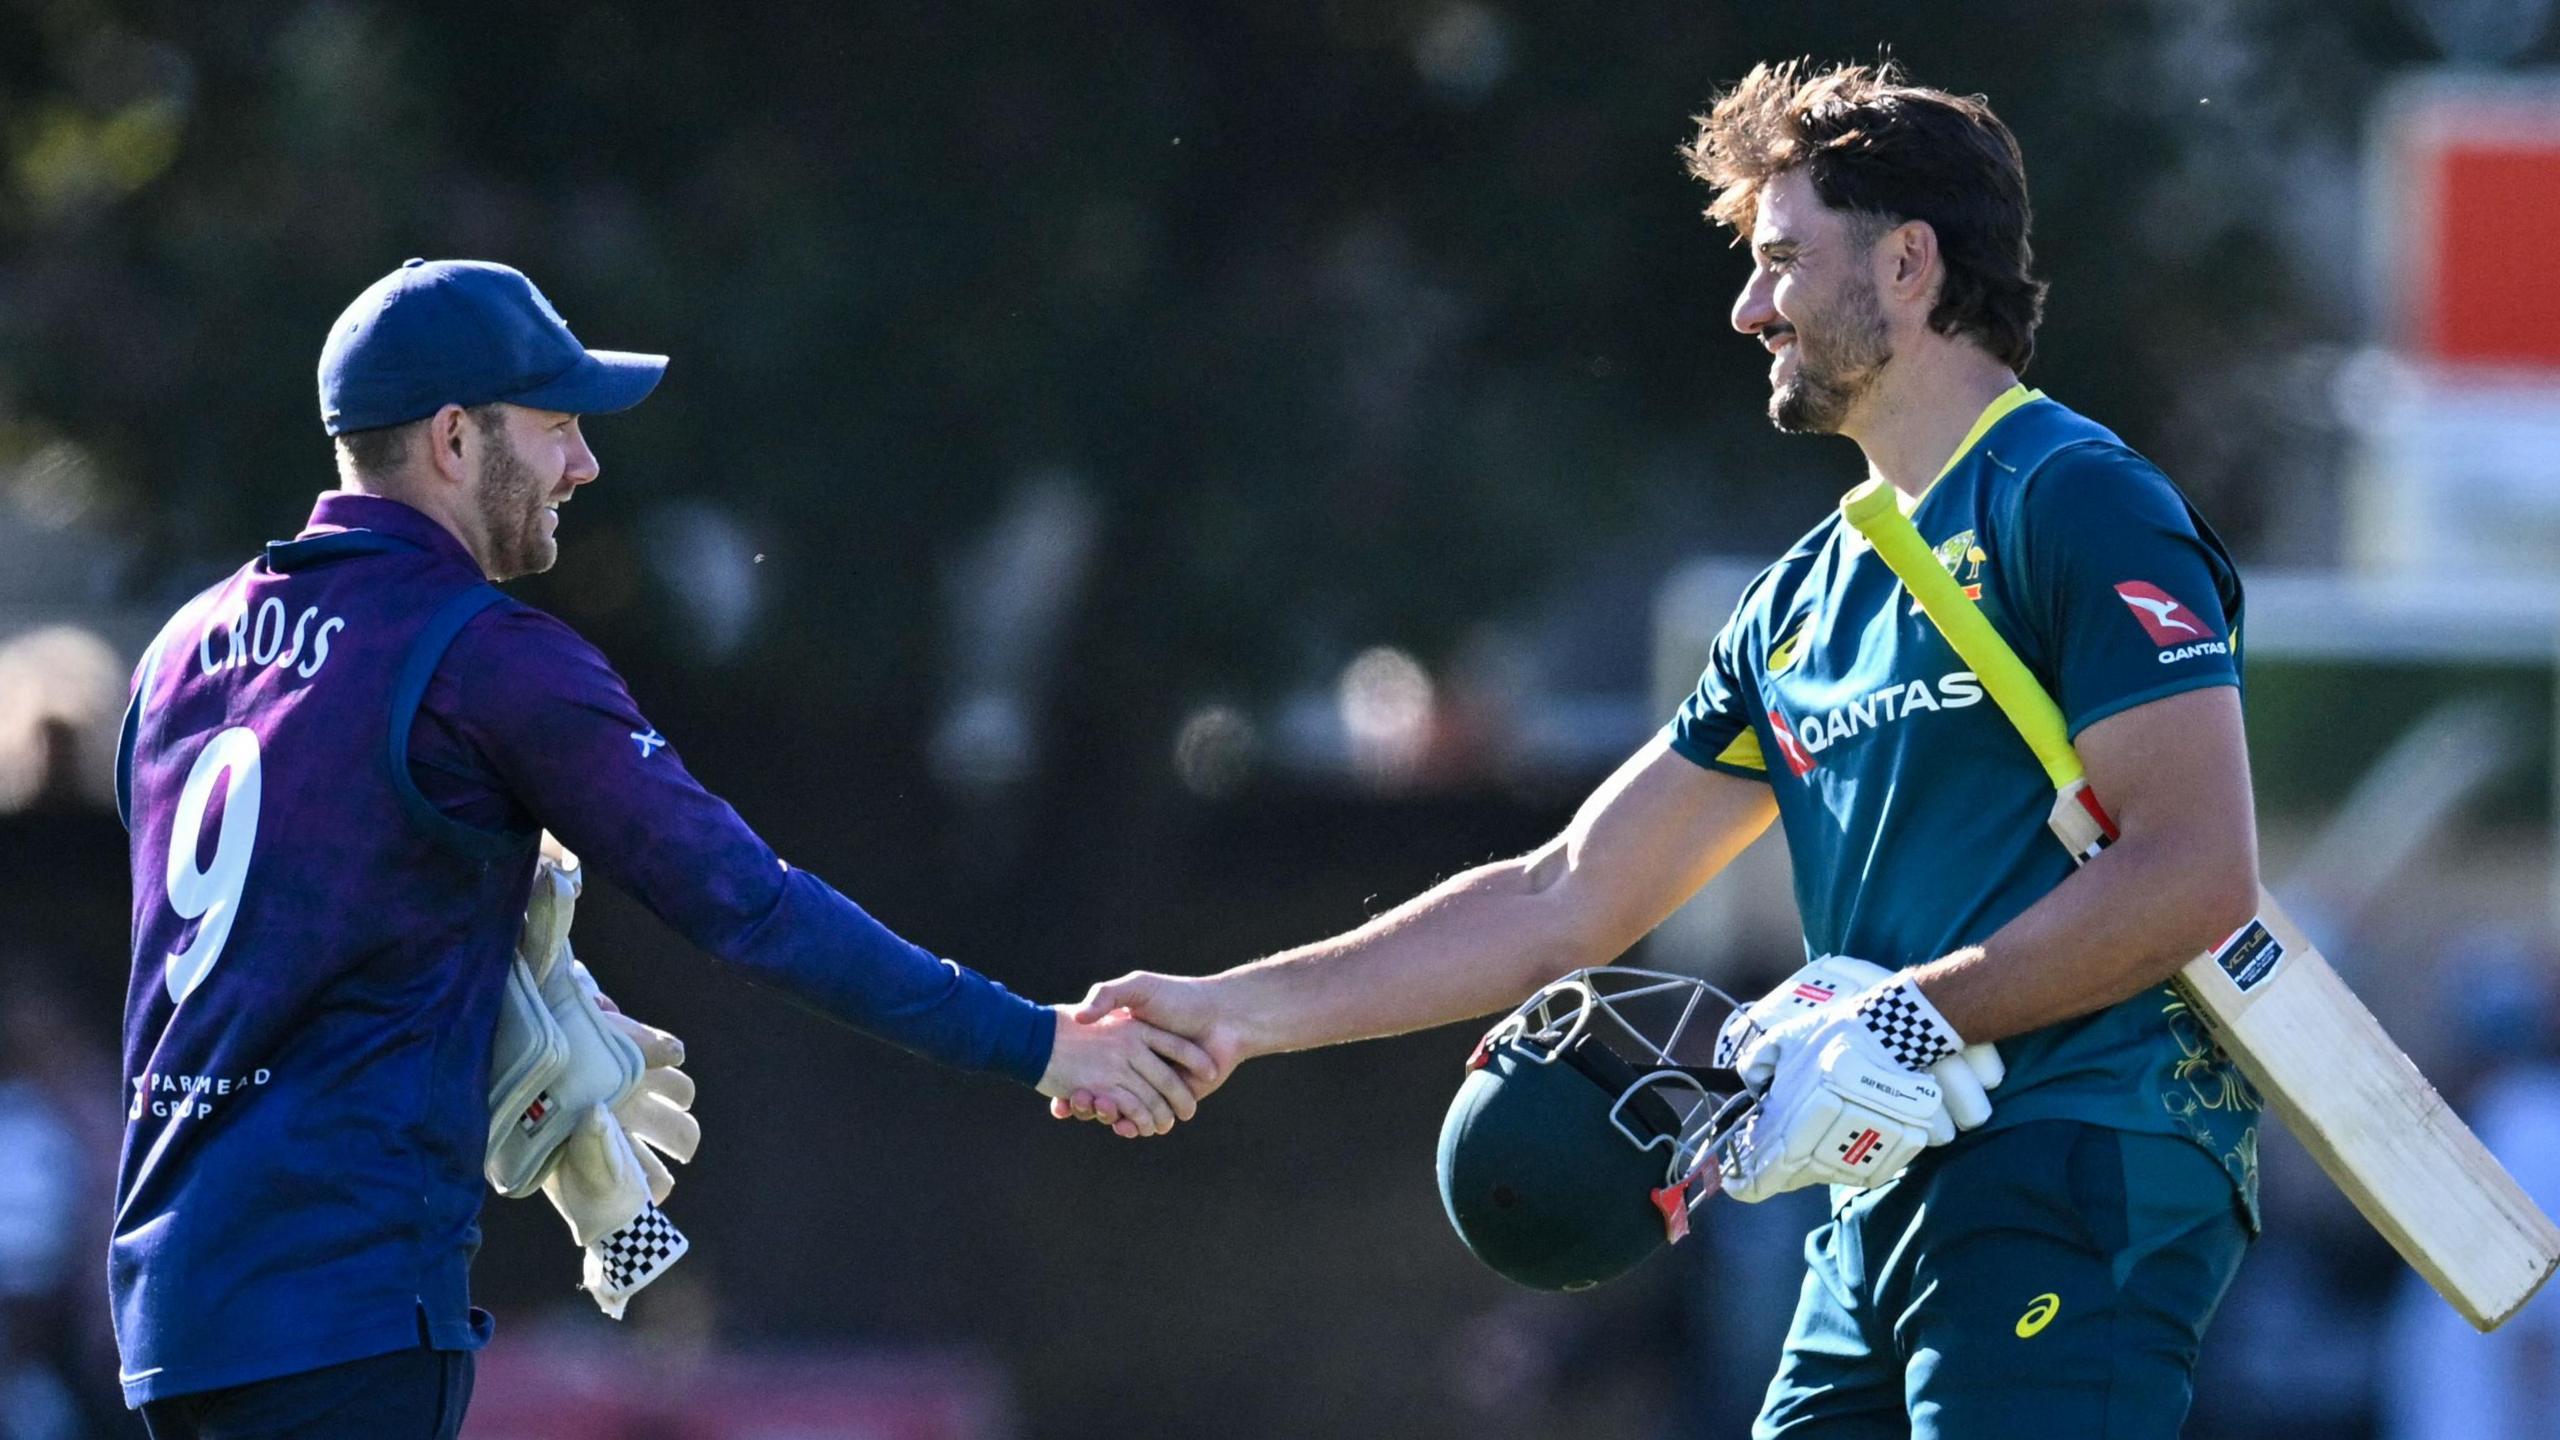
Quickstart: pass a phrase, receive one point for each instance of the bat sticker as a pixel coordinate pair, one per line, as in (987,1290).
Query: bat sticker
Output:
(2250,957)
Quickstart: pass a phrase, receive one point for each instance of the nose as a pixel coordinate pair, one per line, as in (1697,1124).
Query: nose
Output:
(583,466)
(1755,309)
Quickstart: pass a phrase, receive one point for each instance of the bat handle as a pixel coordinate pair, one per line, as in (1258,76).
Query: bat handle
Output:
(2080,822)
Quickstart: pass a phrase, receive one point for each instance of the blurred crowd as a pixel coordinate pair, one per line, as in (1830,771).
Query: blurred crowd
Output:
(59,1125)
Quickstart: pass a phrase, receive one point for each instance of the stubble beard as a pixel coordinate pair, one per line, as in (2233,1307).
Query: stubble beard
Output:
(1831,379)
(511,501)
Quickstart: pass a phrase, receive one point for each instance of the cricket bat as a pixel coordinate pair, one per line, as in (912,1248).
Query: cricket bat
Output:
(2276,1007)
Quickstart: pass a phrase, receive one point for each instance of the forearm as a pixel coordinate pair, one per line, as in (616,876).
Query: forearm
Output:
(1657,829)
(826,952)
(2121,924)
(1474,944)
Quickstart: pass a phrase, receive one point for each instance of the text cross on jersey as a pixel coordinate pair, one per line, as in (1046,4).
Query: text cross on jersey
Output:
(650,742)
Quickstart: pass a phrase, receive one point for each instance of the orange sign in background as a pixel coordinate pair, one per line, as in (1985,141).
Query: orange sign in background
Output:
(2469,197)
(2492,294)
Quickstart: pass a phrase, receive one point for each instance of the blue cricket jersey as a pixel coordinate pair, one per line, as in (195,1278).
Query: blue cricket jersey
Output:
(334,770)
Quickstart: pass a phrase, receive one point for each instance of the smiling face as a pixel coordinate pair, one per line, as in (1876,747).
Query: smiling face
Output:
(529,464)
(1812,303)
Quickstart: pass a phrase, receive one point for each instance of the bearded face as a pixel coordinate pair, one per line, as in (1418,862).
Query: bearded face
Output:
(1841,345)
(1812,302)
(515,510)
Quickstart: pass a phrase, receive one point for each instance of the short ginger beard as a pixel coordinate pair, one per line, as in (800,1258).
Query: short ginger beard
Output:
(1835,373)
(510,502)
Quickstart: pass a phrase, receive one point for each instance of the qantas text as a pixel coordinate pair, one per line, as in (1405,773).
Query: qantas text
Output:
(1952,691)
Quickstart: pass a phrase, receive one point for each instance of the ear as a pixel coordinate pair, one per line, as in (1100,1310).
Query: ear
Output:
(1907,263)
(446,431)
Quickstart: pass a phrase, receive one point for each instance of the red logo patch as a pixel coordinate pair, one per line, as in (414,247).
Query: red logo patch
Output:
(2167,621)
(1861,1147)
(1797,759)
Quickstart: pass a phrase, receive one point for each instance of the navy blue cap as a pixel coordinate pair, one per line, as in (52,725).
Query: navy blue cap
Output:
(465,332)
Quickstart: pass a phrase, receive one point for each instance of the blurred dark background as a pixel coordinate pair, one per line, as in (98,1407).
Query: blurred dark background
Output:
(1137,486)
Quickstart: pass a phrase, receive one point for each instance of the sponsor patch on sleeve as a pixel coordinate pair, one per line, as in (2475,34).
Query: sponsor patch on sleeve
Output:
(2180,633)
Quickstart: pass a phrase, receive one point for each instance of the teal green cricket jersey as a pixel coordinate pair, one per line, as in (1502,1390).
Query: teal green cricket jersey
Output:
(1914,813)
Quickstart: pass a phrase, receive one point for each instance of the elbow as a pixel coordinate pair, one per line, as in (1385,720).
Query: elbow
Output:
(2225,898)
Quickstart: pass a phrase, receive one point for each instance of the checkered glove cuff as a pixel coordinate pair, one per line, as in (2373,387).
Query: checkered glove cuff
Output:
(1909,1027)
(621,1263)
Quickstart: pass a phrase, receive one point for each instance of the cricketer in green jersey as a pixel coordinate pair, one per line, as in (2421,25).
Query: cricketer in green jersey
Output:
(2049,1270)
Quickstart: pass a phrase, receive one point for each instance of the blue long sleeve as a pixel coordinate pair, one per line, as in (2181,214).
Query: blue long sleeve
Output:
(526,701)
(827,952)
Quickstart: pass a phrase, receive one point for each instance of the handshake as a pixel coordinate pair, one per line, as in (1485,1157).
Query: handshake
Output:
(1140,1053)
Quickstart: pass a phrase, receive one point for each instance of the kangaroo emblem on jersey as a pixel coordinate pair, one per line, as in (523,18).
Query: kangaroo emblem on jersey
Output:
(650,743)
(2160,612)
(1964,557)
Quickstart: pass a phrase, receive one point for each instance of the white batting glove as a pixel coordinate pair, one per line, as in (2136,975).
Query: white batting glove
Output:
(1965,1079)
(1832,1116)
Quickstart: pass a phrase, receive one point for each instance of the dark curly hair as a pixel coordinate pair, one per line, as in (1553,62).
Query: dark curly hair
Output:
(1887,151)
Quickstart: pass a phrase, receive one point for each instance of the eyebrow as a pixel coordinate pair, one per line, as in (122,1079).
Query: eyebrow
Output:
(1782,242)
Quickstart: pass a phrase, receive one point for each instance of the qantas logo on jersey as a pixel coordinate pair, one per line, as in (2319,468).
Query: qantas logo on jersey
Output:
(1873,711)
(1799,760)
(2180,633)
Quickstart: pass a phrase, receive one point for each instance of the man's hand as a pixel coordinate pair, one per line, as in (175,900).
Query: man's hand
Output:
(1846,1092)
(1187,1005)
(1122,1069)
(1965,1078)
(1832,1116)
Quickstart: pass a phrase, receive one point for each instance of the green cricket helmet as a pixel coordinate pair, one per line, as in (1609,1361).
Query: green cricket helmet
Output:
(1580,1141)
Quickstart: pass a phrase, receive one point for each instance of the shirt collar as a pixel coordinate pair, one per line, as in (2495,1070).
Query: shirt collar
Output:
(338,511)
(1992,414)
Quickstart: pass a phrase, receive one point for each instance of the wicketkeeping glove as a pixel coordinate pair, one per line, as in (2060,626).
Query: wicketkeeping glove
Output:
(554,1054)
(1965,1079)
(585,1101)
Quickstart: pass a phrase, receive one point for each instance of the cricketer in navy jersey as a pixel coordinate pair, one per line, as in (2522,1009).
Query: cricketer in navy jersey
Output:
(335,768)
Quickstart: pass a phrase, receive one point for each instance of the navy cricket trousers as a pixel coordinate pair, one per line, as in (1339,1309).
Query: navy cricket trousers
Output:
(405,1395)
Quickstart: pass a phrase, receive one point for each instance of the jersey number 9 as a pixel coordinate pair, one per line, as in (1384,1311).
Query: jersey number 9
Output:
(211,895)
